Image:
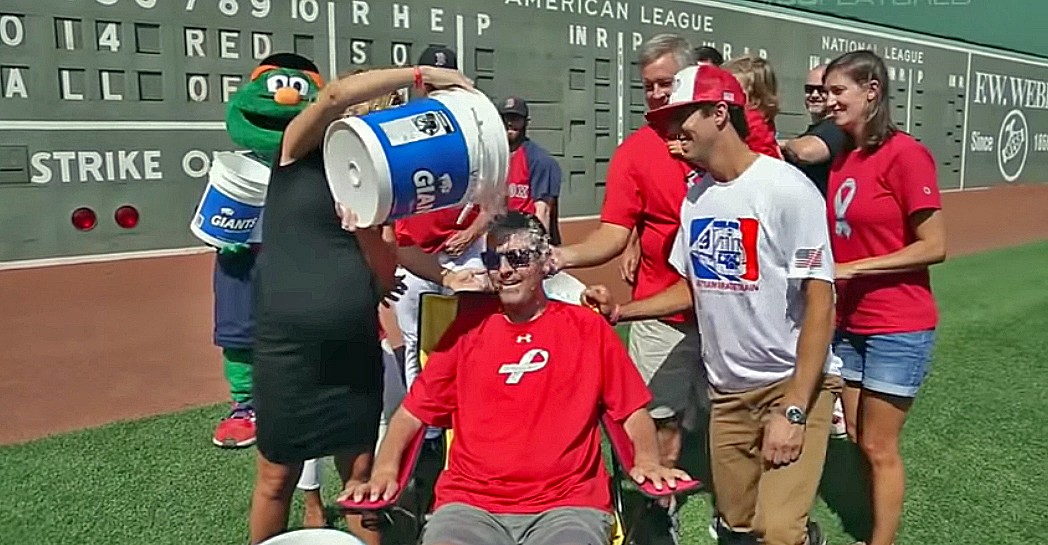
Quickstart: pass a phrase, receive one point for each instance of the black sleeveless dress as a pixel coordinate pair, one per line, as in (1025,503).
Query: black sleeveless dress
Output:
(318,363)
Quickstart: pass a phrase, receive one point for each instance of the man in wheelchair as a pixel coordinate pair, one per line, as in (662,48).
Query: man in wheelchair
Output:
(525,389)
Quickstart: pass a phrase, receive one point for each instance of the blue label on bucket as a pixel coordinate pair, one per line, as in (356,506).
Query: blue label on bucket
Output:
(224,218)
(427,156)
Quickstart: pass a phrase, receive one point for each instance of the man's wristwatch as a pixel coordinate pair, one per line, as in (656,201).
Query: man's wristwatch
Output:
(795,415)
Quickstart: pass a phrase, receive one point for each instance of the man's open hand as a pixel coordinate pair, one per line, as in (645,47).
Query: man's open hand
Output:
(658,475)
(382,485)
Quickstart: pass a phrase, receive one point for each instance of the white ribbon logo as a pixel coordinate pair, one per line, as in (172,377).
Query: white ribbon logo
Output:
(533,360)
(841,201)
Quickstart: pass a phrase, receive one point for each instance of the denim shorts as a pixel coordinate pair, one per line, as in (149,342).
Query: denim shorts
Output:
(893,364)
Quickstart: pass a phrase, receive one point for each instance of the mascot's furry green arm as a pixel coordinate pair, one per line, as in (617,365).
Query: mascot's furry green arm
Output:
(277,90)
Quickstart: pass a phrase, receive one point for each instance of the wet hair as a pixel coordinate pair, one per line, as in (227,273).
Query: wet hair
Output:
(666,44)
(758,80)
(521,223)
(708,54)
(862,67)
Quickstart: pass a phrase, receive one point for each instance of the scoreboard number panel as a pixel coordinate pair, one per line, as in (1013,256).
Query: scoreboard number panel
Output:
(182,58)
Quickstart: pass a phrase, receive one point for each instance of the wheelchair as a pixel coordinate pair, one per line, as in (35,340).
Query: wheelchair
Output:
(401,519)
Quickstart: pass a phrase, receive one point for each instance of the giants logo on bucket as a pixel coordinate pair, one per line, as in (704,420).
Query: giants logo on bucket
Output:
(427,186)
(226,220)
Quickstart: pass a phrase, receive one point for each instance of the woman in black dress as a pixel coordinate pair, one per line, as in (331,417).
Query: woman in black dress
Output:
(318,362)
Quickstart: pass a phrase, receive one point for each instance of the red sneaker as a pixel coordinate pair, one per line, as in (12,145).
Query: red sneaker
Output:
(236,430)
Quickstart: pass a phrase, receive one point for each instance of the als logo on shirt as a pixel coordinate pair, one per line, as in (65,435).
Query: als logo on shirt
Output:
(842,200)
(724,252)
(531,361)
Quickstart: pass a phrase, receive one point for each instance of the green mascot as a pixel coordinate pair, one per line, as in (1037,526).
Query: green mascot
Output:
(279,88)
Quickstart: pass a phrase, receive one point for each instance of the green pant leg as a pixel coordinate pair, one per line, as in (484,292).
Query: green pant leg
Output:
(238,372)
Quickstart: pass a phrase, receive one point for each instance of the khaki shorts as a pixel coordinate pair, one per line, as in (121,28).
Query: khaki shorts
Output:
(669,358)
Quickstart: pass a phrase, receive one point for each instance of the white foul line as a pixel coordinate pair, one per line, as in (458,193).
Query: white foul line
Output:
(963,190)
(20,125)
(101,258)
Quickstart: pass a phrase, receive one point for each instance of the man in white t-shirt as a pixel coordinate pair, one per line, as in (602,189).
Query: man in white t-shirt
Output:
(754,251)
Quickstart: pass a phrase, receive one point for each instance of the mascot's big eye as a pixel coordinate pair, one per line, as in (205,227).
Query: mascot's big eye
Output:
(299,84)
(275,82)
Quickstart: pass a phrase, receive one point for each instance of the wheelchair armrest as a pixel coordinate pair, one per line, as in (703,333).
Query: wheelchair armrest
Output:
(683,487)
(407,467)
(622,446)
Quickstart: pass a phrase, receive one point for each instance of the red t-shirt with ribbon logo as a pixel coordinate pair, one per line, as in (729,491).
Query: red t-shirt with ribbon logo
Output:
(525,401)
(871,197)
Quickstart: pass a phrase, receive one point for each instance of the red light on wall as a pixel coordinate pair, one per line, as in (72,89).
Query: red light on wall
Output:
(84,219)
(126,216)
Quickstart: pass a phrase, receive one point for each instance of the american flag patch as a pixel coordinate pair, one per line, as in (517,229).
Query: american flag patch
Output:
(808,258)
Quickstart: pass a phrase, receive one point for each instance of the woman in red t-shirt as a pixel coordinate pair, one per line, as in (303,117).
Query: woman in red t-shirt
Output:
(886,228)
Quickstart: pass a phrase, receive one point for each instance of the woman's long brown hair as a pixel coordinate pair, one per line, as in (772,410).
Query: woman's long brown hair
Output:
(863,67)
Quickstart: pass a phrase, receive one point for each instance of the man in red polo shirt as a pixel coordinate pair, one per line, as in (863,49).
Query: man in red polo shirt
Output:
(645,188)
(534,176)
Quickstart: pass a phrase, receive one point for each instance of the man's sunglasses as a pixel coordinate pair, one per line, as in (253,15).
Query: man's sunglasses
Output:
(809,89)
(517,259)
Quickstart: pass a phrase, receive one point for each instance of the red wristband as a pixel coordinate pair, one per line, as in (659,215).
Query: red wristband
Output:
(418,77)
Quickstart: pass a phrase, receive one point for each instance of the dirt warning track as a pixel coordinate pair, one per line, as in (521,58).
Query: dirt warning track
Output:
(85,345)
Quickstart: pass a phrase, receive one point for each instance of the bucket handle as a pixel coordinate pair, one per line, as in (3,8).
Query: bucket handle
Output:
(480,161)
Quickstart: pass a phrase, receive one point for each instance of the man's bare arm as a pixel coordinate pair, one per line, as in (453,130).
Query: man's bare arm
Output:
(420,263)
(599,247)
(542,212)
(641,430)
(813,343)
(672,300)
(403,427)
(806,150)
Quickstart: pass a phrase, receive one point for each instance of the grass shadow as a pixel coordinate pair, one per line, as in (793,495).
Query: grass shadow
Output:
(845,490)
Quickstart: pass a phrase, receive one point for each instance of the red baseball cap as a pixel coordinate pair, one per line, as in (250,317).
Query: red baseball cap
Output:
(697,84)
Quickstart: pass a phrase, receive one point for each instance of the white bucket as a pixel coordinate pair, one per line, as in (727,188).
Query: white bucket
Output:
(429,154)
(230,211)
(314,536)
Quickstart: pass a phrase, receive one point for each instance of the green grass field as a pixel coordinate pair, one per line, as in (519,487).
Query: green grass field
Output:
(976,467)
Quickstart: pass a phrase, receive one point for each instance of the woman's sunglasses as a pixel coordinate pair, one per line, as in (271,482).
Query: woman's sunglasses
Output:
(517,259)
